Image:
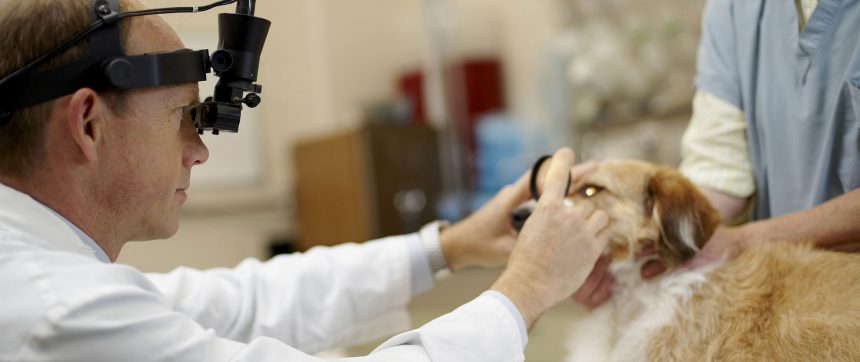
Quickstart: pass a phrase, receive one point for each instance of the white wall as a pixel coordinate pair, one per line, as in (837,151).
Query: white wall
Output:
(526,29)
(325,60)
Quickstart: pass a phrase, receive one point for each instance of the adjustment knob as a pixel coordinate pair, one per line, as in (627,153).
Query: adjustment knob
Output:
(119,72)
(252,100)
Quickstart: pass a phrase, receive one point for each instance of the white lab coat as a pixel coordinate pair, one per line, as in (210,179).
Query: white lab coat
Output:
(59,303)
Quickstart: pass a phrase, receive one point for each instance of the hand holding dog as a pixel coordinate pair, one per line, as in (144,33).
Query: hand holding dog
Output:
(557,248)
(597,289)
(727,242)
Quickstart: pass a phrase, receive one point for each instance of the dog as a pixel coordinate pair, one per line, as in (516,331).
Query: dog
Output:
(782,301)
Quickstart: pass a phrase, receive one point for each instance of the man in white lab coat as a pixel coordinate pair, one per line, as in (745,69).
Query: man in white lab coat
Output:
(85,173)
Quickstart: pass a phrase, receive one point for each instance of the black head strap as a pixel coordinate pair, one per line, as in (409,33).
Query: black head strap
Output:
(103,67)
(534,175)
(35,88)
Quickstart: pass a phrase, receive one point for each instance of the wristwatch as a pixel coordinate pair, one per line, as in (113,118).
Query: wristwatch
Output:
(430,240)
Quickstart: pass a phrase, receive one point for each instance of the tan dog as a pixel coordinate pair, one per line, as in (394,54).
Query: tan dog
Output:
(779,301)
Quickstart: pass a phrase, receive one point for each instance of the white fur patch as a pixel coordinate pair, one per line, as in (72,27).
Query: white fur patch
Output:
(686,230)
(622,329)
(687,233)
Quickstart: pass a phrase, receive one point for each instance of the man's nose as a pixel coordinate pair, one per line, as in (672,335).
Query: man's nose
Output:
(196,152)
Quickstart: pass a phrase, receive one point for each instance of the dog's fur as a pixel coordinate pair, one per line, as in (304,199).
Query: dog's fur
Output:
(779,301)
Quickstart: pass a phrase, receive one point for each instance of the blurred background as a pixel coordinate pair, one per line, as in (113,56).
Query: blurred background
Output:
(381,115)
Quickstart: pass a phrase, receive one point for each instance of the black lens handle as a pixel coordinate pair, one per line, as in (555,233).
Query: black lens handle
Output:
(533,180)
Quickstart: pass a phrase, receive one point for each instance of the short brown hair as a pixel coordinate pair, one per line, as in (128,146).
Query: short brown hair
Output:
(31,28)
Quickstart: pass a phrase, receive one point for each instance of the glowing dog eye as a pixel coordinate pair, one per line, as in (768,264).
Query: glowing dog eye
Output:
(590,190)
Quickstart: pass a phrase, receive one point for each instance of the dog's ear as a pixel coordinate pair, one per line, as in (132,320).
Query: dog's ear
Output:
(685,217)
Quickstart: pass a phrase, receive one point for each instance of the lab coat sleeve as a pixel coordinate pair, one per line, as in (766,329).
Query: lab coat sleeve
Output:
(484,329)
(128,323)
(326,297)
(717,61)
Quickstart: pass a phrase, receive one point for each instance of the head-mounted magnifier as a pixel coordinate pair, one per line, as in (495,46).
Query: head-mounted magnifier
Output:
(105,66)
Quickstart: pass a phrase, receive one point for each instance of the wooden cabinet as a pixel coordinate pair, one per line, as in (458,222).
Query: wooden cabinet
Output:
(364,184)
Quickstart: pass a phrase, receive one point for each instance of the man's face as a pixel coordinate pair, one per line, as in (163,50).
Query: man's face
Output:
(151,147)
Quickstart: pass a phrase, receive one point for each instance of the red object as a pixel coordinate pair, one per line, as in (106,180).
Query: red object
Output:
(475,88)
(482,80)
(476,85)
(411,86)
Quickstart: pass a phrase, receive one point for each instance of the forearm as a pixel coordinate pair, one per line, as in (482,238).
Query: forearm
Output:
(481,330)
(833,225)
(521,294)
(307,300)
(730,207)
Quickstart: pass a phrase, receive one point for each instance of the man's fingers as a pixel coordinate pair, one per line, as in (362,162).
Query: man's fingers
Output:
(652,269)
(585,210)
(558,175)
(648,248)
(593,281)
(597,221)
(598,291)
(602,293)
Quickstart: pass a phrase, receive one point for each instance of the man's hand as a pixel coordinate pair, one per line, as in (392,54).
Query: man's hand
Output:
(486,237)
(557,248)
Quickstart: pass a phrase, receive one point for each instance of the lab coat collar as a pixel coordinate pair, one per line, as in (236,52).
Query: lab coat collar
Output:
(22,213)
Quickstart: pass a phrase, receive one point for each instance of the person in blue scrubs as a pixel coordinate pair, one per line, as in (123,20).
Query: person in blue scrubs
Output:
(791,71)
(798,86)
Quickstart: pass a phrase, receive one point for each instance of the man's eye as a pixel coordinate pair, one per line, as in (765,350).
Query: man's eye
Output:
(589,190)
(185,113)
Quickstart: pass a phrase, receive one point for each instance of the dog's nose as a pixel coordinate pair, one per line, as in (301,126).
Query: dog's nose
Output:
(520,214)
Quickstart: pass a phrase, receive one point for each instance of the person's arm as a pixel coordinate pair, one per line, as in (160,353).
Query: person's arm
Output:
(556,249)
(486,237)
(831,225)
(323,298)
(730,207)
(834,224)
(130,321)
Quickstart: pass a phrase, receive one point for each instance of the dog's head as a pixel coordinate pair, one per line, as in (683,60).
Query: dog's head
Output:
(648,204)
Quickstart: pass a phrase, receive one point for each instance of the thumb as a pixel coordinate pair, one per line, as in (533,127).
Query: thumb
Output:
(518,192)
(694,263)
(704,256)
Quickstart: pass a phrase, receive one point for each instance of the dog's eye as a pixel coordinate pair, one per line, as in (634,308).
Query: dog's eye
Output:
(590,190)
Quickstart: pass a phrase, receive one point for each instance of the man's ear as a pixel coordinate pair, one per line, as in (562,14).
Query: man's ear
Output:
(686,218)
(84,120)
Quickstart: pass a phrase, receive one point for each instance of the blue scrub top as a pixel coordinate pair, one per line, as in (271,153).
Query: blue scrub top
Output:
(799,91)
